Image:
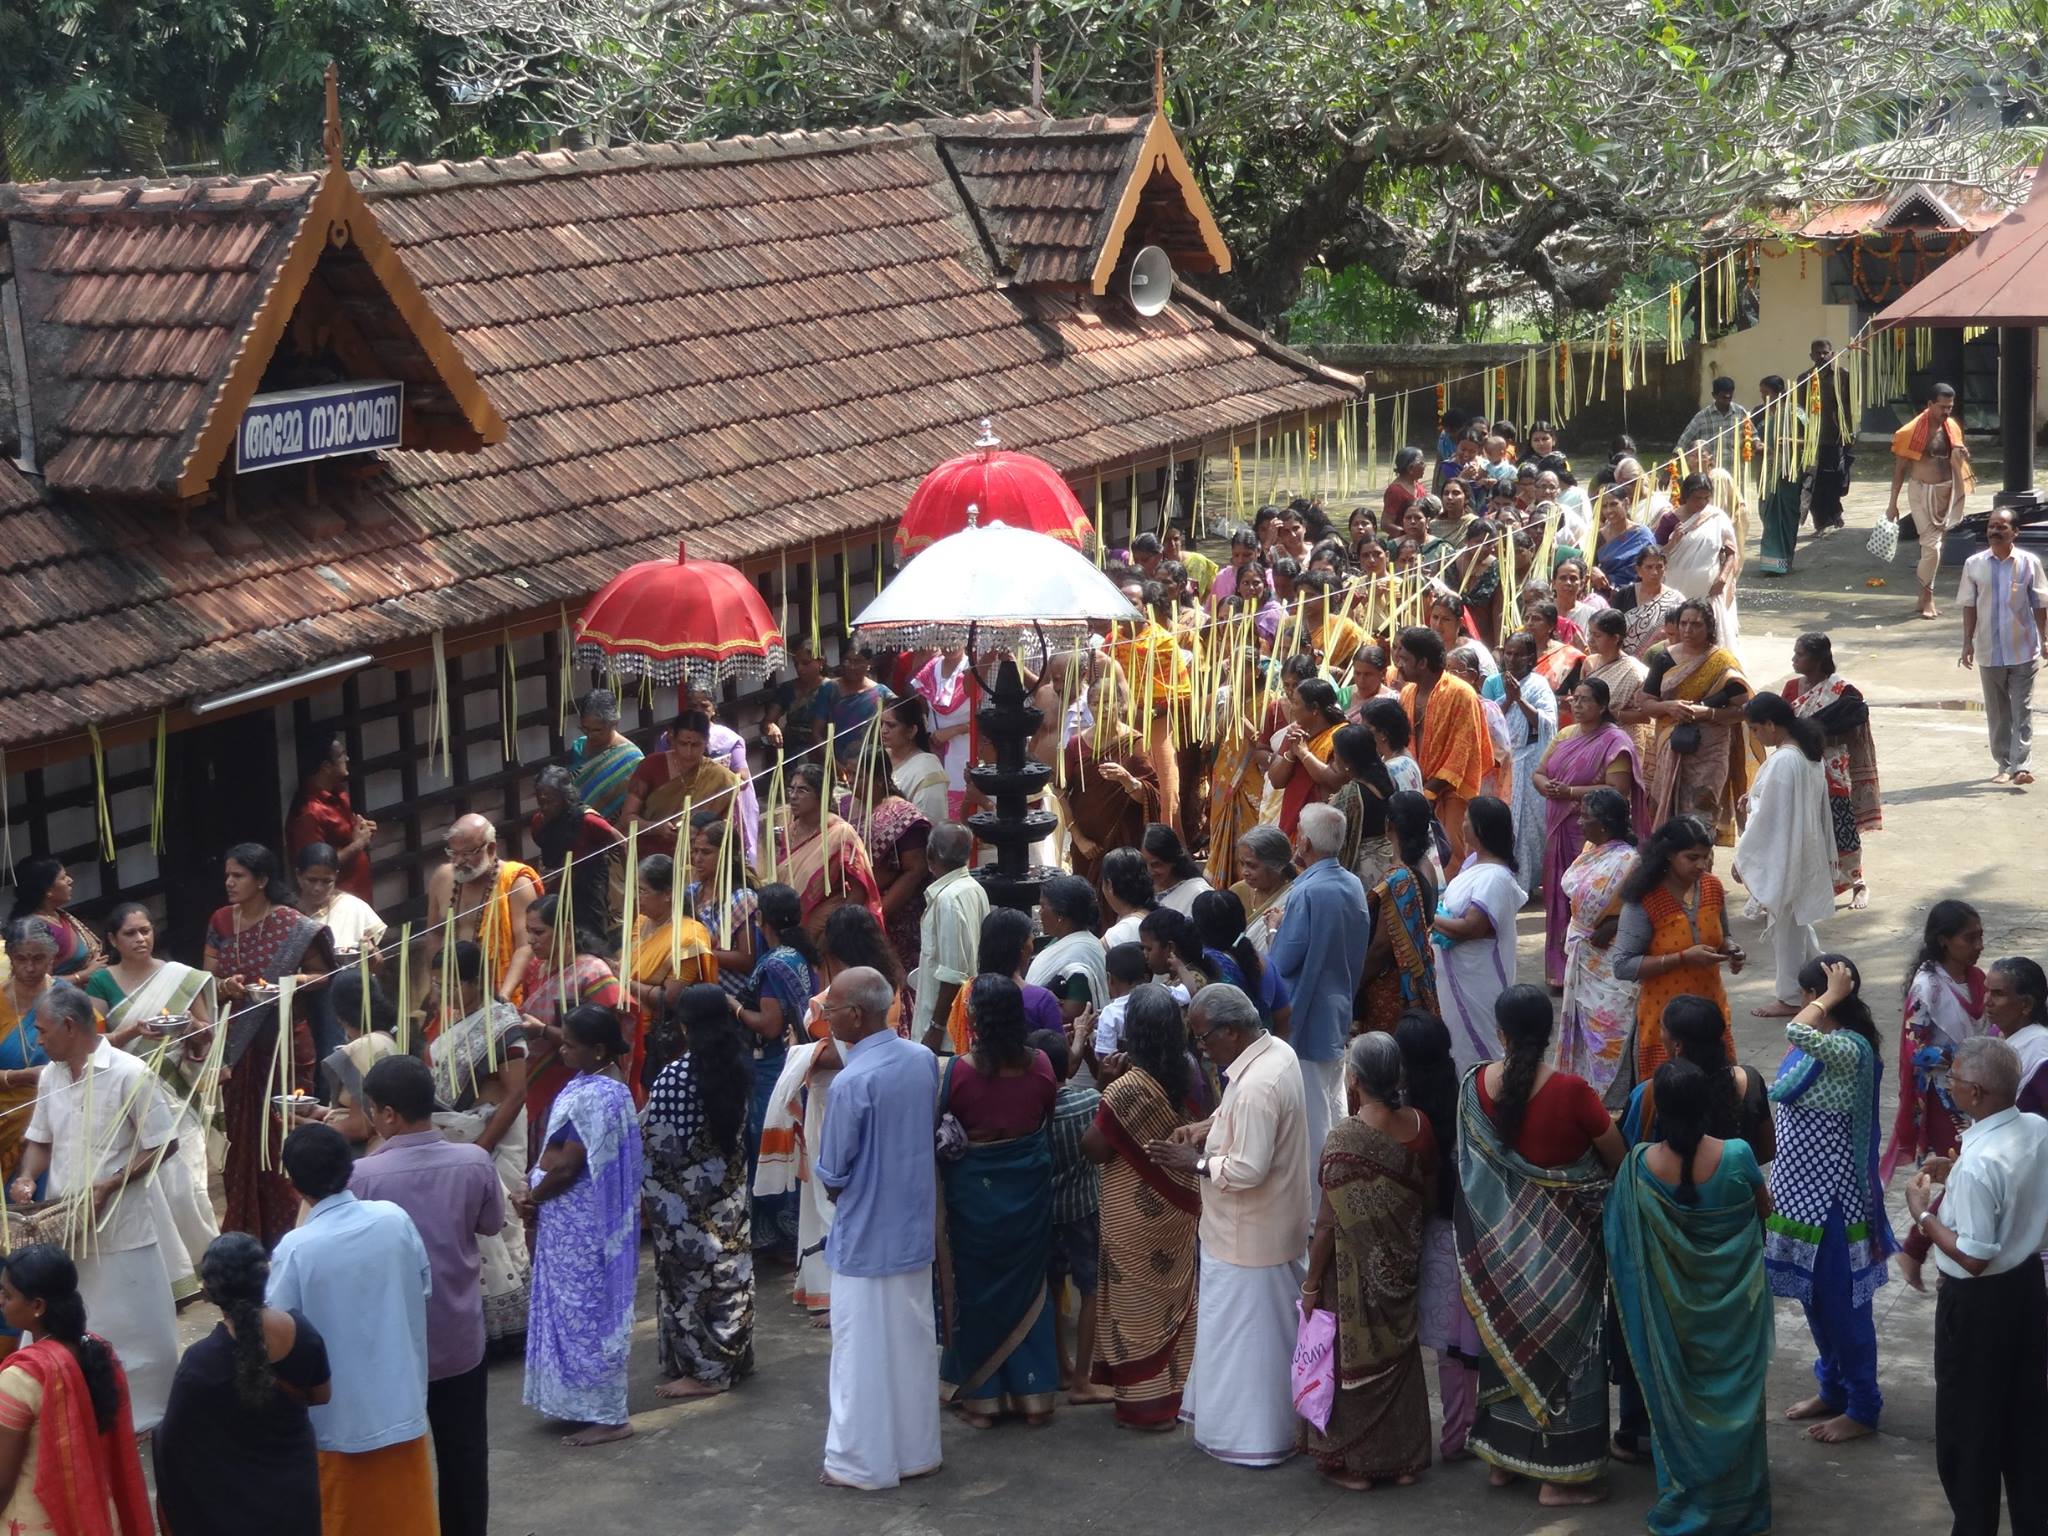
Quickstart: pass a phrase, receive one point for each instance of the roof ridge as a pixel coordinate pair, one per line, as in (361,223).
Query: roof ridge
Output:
(403,178)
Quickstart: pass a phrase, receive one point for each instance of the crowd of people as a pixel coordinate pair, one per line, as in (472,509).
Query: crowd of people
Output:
(1264,1051)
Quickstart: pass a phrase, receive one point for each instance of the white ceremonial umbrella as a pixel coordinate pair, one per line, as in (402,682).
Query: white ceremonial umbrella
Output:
(994,588)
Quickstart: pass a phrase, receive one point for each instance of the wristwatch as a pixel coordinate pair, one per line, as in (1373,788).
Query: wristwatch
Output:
(1201,1167)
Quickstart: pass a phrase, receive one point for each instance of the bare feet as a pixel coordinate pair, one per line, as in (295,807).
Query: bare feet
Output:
(1909,1271)
(1500,1477)
(821,1319)
(1083,1397)
(1812,1408)
(1406,1480)
(686,1387)
(599,1434)
(2003,776)
(1355,1484)
(1834,1431)
(1859,896)
(1038,1420)
(835,1482)
(1460,1454)
(977,1420)
(2023,778)
(1566,1495)
(1627,1454)
(1774,1011)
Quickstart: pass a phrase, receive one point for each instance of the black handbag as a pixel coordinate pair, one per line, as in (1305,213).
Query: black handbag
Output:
(1685,739)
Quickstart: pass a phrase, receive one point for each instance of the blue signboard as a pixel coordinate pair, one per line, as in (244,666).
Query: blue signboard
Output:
(293,426)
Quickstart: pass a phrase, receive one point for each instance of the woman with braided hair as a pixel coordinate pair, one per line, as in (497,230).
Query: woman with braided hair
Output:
(235,1451)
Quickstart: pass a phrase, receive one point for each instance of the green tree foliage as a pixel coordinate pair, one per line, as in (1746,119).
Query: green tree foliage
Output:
(1469,154)
(124,87)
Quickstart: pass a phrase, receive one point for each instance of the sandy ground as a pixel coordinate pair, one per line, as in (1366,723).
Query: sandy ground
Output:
(748,1461)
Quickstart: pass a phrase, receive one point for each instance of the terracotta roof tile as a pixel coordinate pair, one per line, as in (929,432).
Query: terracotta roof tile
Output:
(759,343)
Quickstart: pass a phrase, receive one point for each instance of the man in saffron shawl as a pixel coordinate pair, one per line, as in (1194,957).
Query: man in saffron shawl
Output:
(489,896)
(1930,463)
(1450,743)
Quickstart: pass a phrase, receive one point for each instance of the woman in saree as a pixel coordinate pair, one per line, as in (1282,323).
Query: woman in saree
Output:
(1597,1014)
(67,1432)
(1378,1177)
(1361,797)
(1685,1243)
(1265,865)
(771,1014)
(1535,1149)
(1557,660)
(1000,1354)
(253,943)
(919,774)
(1827,1239)
(1301,768)
(1647,603)
(1695,699)
(561,978)
(1620,543)
(1145,1293)
(895,832)
(42,888)
(584,1197)
(1819,693)
(346,1066)
(948,686)
(603,757)
(1400,960)
(694,1130)
(683,775)
(1946,1003)
(823,859)
(136,990)
(1705,554)
(1072,964)
(1576,601)
(1591,753)
(1672,937)
(724,903)
(1474,933)
(32,945)
(1607,659)
(479,1065)
(671,951)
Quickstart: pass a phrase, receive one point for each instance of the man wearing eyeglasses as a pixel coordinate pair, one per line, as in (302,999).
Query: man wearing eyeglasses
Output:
(489,896)
(1991,1314)
(2004,597)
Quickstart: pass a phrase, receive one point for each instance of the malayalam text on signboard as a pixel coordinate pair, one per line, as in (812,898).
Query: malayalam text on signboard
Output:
(293,426)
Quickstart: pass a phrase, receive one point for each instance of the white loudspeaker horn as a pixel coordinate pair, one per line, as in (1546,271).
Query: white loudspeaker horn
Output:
(1150,284)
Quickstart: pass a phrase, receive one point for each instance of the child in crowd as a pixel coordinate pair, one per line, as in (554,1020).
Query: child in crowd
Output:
(1127,968)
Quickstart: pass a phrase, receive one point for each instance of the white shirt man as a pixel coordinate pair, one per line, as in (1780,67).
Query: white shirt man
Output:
(2004,597)
(1991,1312)
(100,1127)
(1253,1163)
(949,934)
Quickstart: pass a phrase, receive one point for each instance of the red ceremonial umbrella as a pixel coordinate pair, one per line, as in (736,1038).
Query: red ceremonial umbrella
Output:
(666,619)
(1013,489)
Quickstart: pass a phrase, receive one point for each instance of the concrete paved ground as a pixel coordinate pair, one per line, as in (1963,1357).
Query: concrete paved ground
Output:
(747,1462)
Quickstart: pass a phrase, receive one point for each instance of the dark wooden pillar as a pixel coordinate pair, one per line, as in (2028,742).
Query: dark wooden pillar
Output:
(2016,407)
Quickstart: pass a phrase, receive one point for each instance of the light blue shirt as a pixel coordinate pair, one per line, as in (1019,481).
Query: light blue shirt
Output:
(1320,954)
(877,1158)
(359,1272)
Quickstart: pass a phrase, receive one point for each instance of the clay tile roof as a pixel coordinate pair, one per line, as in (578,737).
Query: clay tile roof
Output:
(129,294)
(1046,198)
(758,343)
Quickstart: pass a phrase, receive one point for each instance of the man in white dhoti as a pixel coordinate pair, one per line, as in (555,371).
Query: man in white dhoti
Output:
(1930,463)
(1252,1158)
(876,1162)
(100,1127)
(1785,856)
